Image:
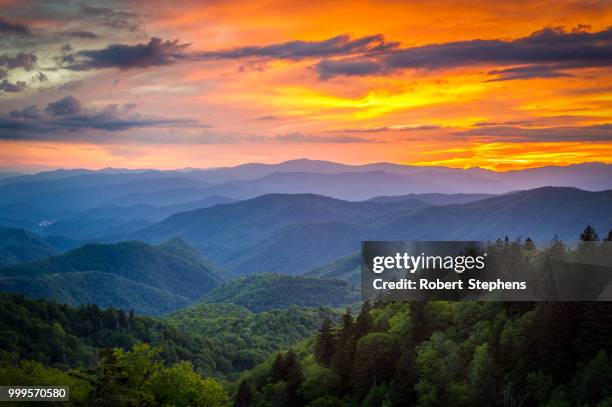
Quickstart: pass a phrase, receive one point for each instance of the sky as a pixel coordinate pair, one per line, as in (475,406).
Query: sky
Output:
(156,84)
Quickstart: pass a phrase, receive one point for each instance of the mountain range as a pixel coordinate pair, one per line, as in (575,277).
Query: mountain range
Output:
(130,275)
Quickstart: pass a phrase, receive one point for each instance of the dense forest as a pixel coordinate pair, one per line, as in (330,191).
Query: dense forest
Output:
(443,354)
(435,353)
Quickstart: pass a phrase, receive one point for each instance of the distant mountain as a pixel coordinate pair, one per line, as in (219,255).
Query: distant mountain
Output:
(113,219)
(261,292)
(433,198)
(18,245)
(150,279)
(293,233)
(298,247)
(357,186)
(230,234)
(588,176)
(539,213)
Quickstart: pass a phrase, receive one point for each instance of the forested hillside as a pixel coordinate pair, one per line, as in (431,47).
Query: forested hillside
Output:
(130,275)
(445,353)
(262,292)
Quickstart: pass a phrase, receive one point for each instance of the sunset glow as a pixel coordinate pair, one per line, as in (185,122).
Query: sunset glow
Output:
(200,84)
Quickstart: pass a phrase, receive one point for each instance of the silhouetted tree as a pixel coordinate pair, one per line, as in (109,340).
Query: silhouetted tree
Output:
(529,245)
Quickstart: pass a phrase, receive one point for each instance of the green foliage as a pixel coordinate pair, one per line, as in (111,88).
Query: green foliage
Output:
(466,354)
(262,292)
(139,378)
(130,275)
(242,339)
(67,337)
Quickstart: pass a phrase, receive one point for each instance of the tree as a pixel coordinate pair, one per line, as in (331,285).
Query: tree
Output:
(529,245)
(325,343)
(244,395)
(374,361)
(587,246)
(589,235)
(363,323)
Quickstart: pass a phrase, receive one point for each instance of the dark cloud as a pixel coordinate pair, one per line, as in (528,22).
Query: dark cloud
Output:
(506,123)
(85,35)
(116,19)
(61,119)
(595,133)
(10,87)
(12,28)
(543,53)
(307,138)
(158,52)
(41,77)
(64,107)
(296,50)
(3,73)
(526,72)
(30,112)
(347,67)
(154,53)
(421,127)
(21,60)
(266,118)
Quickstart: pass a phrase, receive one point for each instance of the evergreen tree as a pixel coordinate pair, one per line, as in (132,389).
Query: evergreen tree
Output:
(609,237)
(529,245)
(363,323)
(587,246)
(589,235)
(244,395)
(325,343)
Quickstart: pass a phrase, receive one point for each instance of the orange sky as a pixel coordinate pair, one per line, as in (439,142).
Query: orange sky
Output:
(192,110)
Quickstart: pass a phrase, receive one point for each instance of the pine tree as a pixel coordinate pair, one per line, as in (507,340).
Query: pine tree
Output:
(325,343)
(345,328)
(244,395)
(587,246)
(363,322)
(589,235)
(529,245)
(609,237)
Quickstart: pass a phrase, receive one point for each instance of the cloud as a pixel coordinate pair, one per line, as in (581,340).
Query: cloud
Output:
(526,72)
(296,50)
(12,28)
(116,19)
(41,77)
(307,138)
(594,133)
(418,127)
(266,118)
(62,118)
(9,87)
(154,53)
(347,67)
(85,35)
(30,112)
(542,54)
(64,107)
(21,60)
